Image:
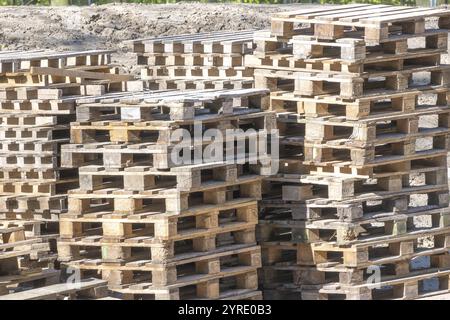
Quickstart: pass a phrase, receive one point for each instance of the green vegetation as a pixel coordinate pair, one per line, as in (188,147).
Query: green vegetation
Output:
(86,2)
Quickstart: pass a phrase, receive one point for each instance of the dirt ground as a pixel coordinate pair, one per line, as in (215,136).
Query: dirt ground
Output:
(106,26)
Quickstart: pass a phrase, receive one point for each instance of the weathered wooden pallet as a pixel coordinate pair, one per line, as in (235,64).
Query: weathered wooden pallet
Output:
(45,133)
(381,250)
(372,64)
(240,282)
(364,110)
(294,163)
(27,280)
(44,230)
(44,107)
(195,84)
(38,188)
(314,84)
(116,155)
(57,91)
(85,289)
(15,205)
(37,174)
(19,61)
(225,42)
(373,23)
(306,206)
(381,167)
(169,271)
(385,166)
(121,155)
(183,178)
(178,105)
(31,146)
(395,283)
(363,132)
(18,254)
(195,71)
(377,154)
(160,132)
(168,200)
(46,160)
(342,188)
(305,276)
(40,77)
(348,50)
(24,120)
(191,59)
(104,226)
(369,227)
(410,287)
(375,105)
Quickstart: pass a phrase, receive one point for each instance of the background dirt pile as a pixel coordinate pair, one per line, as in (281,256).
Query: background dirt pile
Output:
(106,26)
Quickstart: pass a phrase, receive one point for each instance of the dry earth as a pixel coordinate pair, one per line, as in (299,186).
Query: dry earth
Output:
(106,26)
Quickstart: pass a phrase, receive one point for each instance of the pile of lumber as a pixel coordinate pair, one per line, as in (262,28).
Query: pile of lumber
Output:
(360,207)
(195,61)
(155,227)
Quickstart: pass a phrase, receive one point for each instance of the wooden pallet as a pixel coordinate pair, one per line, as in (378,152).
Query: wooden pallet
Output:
(313,84)
(332,229)
(22,260)
(159,132)
(195,71)
(307,276)
(42,107)
(373,23)
(191,59)
(403,288)
(18,204)
(179,105)
(347,51)
(46,231)
(194,84)
(234,284)
(183,178)
(354,189)
(173,271)
(367,107)
(19,61)
(84,290)
(381,250)
(171,200)
(225,42)
(28,280)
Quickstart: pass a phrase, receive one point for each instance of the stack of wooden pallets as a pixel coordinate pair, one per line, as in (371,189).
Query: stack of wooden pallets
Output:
(24,263)
(359,209)
(195,61)
(153,227)
(38,90)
